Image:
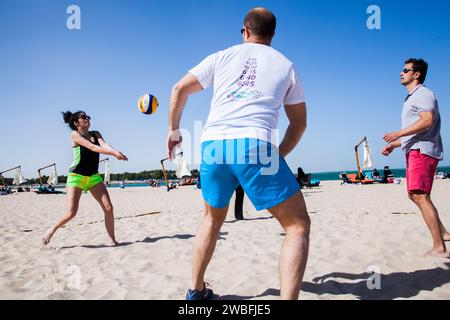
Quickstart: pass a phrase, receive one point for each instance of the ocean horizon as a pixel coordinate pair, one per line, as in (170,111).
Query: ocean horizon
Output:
(323,176)
(334,175)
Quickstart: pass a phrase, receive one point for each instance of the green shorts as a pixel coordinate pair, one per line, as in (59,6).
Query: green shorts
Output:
(83,182)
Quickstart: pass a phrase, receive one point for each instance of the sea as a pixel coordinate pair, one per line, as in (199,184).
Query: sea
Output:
(334,175)
(322,176)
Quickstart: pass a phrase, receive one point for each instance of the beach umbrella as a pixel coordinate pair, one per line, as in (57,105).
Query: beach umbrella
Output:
(367,162)
(53,179)
(18,177)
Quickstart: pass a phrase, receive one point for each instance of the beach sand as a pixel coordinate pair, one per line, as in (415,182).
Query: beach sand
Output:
(355,229)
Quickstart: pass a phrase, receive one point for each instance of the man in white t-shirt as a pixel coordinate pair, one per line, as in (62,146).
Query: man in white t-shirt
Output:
(251,82)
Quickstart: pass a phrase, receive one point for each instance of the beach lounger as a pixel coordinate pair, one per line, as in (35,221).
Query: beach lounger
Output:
(344,178)
(353,178)
(369,176)
(47,190)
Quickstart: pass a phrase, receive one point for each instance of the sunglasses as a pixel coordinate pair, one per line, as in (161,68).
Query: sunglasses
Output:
(243,29)
(407,70)
(84,117)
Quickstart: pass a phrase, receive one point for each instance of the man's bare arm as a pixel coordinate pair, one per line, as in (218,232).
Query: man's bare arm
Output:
(180,93)
(297,125)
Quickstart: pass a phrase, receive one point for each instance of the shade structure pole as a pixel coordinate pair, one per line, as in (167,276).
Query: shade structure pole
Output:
(359,176)
(164,169)
(164,173)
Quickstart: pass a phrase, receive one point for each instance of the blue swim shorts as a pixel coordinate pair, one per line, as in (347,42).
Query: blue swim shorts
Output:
(254,164)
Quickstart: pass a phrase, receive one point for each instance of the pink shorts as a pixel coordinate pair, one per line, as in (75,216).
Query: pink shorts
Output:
(420,171)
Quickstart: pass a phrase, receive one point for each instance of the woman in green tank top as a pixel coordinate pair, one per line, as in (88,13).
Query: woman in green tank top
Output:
(83,173)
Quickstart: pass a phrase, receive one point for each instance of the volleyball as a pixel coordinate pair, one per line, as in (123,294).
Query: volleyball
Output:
(148,104)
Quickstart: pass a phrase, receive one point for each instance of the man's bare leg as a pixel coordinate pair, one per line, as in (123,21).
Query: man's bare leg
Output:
(444,232)
(205,243)
(294,219)
(431,216)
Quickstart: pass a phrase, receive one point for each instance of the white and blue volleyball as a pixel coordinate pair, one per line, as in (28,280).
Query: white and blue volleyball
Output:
(148,104)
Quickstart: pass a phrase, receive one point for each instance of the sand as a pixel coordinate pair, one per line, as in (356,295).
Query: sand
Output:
(355,229)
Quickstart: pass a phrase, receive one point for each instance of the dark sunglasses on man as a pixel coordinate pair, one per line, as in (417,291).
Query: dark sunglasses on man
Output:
(85,117)
(406,70)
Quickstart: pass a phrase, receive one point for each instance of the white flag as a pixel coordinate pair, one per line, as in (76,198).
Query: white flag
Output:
(367,163)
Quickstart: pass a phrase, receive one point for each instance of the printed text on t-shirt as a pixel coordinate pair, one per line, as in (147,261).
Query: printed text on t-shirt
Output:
(248,75)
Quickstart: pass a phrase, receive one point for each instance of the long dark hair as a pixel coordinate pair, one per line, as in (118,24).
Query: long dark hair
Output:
(70,118)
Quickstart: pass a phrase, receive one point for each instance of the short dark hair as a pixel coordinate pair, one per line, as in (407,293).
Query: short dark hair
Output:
(419,65)
(261,22)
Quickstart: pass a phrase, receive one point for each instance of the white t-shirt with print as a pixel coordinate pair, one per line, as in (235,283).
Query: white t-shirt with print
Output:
(251,82)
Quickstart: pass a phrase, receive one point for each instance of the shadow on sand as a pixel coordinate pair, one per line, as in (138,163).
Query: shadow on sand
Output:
(268,292)
(124,244)
(249,219)
(393,285)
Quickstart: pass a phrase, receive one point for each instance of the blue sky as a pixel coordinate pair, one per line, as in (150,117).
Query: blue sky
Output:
(127,48)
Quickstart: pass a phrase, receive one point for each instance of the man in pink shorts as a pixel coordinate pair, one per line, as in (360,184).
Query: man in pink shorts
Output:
(420,139)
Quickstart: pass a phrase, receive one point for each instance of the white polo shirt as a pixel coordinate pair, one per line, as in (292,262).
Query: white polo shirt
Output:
(251,82)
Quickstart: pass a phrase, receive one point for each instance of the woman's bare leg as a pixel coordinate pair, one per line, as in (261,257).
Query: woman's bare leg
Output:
(73,197)
(100,194)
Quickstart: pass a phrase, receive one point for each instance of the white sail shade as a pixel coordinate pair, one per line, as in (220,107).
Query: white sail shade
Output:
(53,179)
(107,172)
(367,163)
(182,169)
(18,177)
